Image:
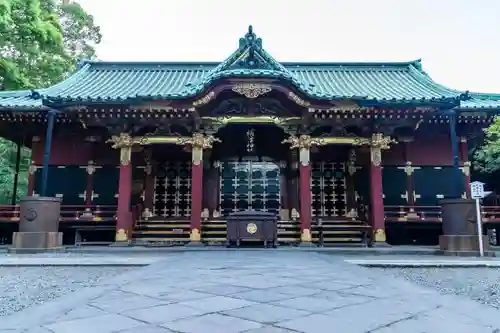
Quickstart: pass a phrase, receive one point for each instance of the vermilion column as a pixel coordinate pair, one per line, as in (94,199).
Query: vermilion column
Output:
(378,143)
(198,142)
(149,184)
(123,214)
(31,178)
(466,164)
(304,144)
(196,193)
(89,188)
(305,196)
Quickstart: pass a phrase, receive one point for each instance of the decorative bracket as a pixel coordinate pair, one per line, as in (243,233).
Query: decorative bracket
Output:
(198,142)
(251,90)
(378,143)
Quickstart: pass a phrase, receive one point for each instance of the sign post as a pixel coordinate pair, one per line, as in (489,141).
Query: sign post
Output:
(477,193)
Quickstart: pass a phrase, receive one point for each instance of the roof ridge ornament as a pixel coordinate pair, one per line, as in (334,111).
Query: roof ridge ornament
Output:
(250,40)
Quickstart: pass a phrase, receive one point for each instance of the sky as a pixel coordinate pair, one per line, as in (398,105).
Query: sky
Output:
(457,40)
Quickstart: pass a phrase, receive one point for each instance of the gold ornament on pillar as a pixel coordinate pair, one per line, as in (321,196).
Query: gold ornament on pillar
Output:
(466,168)
(305,236)
(380,236)
(90,168)
(32,168)
(198,142)
(124,142)
(304,144)
(351,164)
(378,143)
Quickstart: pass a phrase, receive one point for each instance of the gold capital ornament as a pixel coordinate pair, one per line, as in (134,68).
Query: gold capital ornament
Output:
(124,142)
(378,143)
(198,142)
(32,168)
(304,144)
(251,90)
(90,168)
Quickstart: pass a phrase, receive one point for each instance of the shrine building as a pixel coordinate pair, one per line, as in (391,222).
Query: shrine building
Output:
(164,152)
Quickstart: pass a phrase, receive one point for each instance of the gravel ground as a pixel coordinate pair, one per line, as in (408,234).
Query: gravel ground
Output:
(479,284)
(22,287)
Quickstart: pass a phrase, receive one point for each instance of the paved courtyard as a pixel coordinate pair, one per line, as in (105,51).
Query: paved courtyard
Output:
(255,292)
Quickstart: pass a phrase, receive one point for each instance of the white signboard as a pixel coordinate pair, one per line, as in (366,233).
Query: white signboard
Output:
(477,190)
(477,193)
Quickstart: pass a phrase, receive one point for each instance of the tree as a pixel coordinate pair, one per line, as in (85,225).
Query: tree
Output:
(41,41)
(487,156)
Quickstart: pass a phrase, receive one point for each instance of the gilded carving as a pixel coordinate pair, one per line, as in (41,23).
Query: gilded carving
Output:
(148,169)
(251,90)
(32,168)
(121,141)
(198,143)
(306,237)
(380,236)
(90,168)
(378,143)
(304,144)
(205,99)
(251,228)
(121,236)
(298,100)
(195,235)
(466,168)
(351,164)
(409,169)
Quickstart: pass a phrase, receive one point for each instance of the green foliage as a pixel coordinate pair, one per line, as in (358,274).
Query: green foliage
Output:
(487,156)
(8,156)
(41,41)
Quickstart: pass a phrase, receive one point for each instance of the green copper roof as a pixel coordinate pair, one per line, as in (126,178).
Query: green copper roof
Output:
(19,100)
(481,101)
(101,82)
(114,81)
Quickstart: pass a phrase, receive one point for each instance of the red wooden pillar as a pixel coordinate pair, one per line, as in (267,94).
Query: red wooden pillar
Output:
(31,178)
(376,196)
(35,151)
(89,188)
(305,195)
(464,151)
(304,144)
(198,142)
(196,192)
(123,214)
(378,143)
(149,184)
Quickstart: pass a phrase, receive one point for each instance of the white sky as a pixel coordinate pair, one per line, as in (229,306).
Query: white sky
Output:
(458,40)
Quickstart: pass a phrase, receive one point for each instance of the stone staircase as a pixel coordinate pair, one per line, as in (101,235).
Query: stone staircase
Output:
(341,231)
(332,232)
(159,231)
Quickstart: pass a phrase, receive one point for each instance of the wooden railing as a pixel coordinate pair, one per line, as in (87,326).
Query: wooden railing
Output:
(69,213)
(432,213)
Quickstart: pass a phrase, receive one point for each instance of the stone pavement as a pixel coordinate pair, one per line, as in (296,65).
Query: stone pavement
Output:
(255,292)
(61,261)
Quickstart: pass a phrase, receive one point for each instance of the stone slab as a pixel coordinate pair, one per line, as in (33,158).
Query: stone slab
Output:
(425,263)
(34,261)
(254,291)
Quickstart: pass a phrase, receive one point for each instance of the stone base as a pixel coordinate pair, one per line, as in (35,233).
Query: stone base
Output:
(121,244)
(307,244)
(462,243)
(195,244)
(35,250)
(36,241)
(380,244)
(465,253)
